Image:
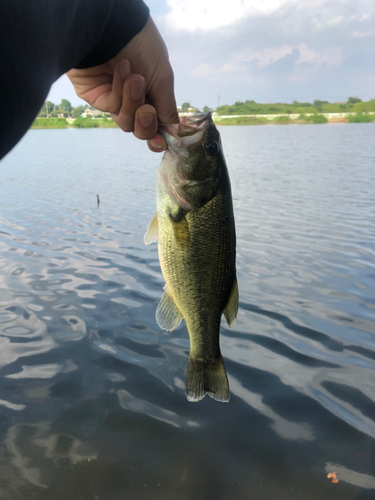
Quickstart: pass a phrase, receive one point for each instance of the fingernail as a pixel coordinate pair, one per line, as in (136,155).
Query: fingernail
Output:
(136,90)
(146,119)
(156,146)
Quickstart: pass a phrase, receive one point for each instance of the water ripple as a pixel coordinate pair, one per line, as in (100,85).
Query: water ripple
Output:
(91,388)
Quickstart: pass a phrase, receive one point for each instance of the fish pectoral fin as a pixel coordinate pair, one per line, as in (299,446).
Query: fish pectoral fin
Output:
(168,317)
(152,232)
(207,378)
(231,309)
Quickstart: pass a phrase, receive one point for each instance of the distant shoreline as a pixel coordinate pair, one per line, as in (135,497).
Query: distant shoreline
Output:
(59,123)
(279,119)
(299,119)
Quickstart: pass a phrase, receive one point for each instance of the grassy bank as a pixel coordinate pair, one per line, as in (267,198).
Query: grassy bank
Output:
(312,119)
(94,123)
(43,123)
(241,120)
(361,118)
(278,120)
(49,123)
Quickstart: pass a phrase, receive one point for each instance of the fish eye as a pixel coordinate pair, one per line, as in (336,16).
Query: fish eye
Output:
(211,148)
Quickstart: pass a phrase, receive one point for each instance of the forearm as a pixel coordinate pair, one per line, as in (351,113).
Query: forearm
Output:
(42,39)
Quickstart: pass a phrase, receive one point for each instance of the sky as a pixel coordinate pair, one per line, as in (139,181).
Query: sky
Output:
(263,50)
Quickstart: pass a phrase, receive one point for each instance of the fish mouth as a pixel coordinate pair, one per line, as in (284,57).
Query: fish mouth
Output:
(196,120)
(189,126)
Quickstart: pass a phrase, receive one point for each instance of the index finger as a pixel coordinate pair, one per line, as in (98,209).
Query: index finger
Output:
(161,96)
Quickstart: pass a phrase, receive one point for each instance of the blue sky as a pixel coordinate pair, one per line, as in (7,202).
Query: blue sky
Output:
(265,50)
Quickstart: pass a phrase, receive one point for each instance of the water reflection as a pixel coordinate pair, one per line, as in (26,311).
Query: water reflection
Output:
(283,427)
(129,402)
(34,450)
(88,375)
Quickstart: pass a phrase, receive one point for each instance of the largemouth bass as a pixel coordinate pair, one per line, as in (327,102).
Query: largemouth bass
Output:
(196,236)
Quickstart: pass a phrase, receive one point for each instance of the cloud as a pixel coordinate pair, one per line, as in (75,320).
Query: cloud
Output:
(211,14)
(336,20)
(203,70)
(208,15)
(363,34)
(264,57)
(330,56)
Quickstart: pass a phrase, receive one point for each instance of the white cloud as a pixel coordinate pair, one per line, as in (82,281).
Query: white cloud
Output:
(335,20)
(203,70)
(206,14)
(265,56)
(229,68)
(363,34)
(270,50)
(210,14)
(330,56)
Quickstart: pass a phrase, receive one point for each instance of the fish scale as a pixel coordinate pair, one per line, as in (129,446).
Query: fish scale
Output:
(196,241)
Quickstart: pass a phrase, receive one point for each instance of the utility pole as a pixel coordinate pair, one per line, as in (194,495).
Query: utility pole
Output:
(47,110)
(218,101)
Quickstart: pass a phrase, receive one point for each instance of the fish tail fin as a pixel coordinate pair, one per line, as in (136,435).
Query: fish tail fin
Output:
(207,378)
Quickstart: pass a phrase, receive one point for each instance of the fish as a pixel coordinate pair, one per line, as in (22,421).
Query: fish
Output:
(195,229)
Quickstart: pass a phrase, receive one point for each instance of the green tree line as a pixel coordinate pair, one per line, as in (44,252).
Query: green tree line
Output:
(352,105)
(65,108)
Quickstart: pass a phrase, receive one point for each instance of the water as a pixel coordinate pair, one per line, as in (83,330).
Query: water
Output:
(92,402)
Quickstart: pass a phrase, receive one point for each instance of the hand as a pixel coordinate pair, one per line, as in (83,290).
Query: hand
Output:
(136,87)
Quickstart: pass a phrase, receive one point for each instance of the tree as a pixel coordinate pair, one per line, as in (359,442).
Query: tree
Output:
(185,107)
(47,108)
(206,109)
(318,104)
(57,112)
(65,105)
(76,112)
(353,100)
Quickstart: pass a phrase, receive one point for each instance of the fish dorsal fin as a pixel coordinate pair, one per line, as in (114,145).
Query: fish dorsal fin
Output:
(230,311)
(152,232)
(168,317)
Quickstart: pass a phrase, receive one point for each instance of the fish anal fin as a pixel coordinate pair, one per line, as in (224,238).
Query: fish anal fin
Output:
(168,317)
(231,309)
(207,378)
(152,232)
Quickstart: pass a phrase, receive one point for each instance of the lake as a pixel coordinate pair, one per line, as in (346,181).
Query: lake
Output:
(92,394)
